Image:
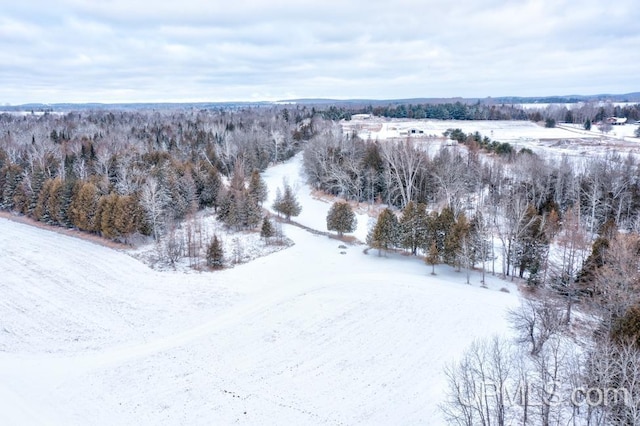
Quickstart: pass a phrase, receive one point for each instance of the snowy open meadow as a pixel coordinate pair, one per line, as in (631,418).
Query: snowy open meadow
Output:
(564,139)
(311,334)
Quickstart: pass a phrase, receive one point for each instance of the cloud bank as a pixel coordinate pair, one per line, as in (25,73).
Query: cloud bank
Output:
(152,51)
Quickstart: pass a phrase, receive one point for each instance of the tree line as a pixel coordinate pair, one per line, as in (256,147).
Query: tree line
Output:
(558,112)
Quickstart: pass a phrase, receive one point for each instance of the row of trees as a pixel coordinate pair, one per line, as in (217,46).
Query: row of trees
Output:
(578,112)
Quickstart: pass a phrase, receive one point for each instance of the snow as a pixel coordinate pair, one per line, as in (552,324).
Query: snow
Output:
(564,139)
(314,210)
(306,335)
(238,247)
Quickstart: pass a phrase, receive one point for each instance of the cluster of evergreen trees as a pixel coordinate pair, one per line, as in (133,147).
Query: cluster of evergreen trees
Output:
(286,202)
(443,237)
(240,206)
(476,140)
(122,173)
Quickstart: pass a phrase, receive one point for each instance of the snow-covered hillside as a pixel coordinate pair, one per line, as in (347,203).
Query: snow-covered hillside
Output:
(307,335)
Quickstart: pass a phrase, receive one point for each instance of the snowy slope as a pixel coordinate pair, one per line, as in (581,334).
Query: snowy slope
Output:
(307,335)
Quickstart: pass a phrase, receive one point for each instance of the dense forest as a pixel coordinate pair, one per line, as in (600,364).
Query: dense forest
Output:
(138,172)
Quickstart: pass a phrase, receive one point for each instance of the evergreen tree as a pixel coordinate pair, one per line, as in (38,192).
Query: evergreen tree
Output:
(433,257)
(267,231)
(479,247)
(531,246)
(21,197)
(627,327)
(456,241)
(55,202)
(105,216)
(38,179)
(251,211)
(40,212)
(11,175)
(214,183)
(127,216)
(215,254)
(84,206)
(341,218)
(257,188)
(65,201)
(385,234)
(228,211)
(287,204)
(587,124)
(441,227)
(413,227)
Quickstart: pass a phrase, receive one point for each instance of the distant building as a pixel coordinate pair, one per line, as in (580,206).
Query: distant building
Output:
(617,121)
(361,116)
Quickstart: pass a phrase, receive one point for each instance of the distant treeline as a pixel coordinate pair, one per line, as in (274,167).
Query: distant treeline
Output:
(579,113)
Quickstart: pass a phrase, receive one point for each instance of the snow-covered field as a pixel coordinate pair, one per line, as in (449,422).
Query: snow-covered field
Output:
(570,139)
(306,335)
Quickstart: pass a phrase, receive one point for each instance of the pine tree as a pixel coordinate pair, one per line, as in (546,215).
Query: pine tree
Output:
(39,211)
(12,176)
(257,188)
(215,254)
(341,218)
(55,202)
(267,231)
(230,211)
(213,183)
(385,234)
(531,246)
(587,124)
(413,226)
(455,241)
(21,197)
(105,216)
(84,206)
(127,216)
(252,212)
(38,179)
(433,257)
(65,202)
(441,226)
(287,204)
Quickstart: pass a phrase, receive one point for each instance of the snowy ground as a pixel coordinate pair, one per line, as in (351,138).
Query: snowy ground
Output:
(307,335)
(197,231)
(314,210)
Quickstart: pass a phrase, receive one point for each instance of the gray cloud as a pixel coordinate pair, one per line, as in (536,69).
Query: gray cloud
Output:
(123,50)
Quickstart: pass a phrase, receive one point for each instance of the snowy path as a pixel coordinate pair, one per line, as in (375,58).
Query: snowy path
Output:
(306,335)
(314,211)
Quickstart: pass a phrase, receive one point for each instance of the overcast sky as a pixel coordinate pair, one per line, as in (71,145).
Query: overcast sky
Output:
(190,50)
